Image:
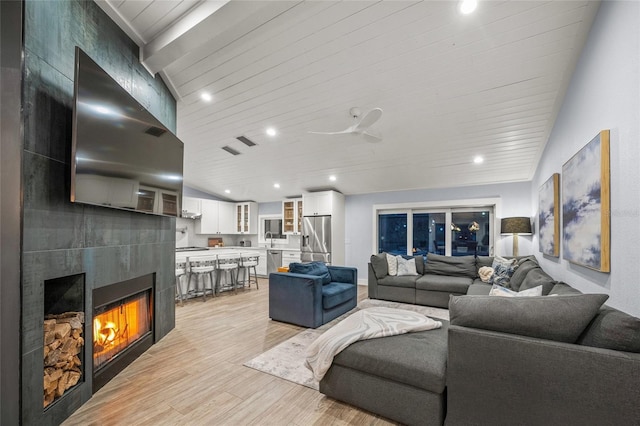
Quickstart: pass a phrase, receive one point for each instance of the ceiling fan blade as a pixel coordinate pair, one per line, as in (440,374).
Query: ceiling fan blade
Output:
(370,137)
(343,132)
(369,118)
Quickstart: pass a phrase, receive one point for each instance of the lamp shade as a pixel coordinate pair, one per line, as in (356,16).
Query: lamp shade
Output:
(515,225)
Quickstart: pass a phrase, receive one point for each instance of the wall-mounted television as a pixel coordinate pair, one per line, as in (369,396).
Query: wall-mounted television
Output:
(122,156)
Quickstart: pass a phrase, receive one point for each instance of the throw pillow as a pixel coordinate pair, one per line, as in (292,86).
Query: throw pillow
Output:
(560,318)
(379,265)
(392,265)
(406,266)
(503,269)
(498,290)
(485,273)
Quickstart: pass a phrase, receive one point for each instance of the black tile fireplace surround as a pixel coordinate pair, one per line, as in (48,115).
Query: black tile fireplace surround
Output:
(95,266)
(60,238)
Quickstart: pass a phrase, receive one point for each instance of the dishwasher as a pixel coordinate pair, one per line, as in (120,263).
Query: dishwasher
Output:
(274,260)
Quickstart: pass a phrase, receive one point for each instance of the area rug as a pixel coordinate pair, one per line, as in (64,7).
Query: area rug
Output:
(286,360)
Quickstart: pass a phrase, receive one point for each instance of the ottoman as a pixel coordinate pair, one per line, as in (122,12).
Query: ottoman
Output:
(399,377)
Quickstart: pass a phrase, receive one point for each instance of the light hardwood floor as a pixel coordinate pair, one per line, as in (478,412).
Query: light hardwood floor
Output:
(195,376)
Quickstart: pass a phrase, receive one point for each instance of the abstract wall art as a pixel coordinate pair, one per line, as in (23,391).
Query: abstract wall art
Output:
(586,206)
(549,216)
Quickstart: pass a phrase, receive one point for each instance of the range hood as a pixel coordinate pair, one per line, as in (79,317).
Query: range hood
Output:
(190,215)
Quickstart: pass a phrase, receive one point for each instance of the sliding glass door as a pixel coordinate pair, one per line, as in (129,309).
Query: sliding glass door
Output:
(451,232)
(470,233)
(428,233)
(392,233)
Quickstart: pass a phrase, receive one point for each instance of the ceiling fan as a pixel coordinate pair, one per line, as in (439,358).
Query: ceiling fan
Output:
(360,125)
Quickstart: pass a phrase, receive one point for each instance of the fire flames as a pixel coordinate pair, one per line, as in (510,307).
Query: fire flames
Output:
(117,328)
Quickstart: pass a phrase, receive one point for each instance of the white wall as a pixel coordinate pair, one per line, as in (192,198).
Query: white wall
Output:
(604,93)
(515,201)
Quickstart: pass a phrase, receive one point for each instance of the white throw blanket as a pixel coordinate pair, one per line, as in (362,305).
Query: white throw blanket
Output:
(366,324)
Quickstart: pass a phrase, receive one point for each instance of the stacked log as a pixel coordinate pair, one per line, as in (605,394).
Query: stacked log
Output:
(63,342)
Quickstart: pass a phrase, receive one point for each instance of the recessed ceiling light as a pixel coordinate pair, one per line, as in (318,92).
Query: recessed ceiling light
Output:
(227,191)
(276,185)
(206,97)
(468,6)
(271,131)
(478,160)
(332,178)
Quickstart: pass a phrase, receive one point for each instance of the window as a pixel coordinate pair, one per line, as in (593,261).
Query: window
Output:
(470,233)
(392,233)
(459,231)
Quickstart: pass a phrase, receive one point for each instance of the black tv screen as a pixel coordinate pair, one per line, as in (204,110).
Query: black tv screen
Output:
(122,156)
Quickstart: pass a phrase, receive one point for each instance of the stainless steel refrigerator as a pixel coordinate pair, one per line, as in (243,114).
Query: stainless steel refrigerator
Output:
(315,243)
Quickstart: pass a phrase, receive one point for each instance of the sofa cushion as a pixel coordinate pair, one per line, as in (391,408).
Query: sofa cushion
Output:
(484,261)
(524,266)
(444,283)
(478,288)
(419,263)
(379,265)
(612,329)
(313,268)
(455,266)
(563,288)
(536,277)
(334,294)
(561,318)
(415,359)
(402,281)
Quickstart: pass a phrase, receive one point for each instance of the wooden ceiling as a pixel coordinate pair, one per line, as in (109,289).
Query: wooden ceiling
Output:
(452,87)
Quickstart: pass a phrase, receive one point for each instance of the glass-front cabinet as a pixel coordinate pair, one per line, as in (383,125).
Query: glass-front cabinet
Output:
(246,218)
(292,216)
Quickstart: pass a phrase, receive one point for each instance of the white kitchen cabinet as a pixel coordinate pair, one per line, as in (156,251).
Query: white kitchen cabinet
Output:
(217,218)
(261,269)
(191,206)
(246,218)
(319,203)
(226,217)
(290,256)
(292,216)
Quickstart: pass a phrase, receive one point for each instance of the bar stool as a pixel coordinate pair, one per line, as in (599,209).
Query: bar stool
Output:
(181,270)
(202,266)
(249,260)
(227,263)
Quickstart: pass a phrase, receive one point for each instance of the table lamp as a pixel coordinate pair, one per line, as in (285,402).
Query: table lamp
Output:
(515,226)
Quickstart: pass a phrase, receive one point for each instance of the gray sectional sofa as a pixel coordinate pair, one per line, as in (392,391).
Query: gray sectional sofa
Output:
(558,359)
(437,279)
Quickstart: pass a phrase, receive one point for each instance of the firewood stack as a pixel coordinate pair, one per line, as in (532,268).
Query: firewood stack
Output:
(62,343)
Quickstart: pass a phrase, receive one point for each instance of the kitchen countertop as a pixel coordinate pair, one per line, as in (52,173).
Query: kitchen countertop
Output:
(212,251)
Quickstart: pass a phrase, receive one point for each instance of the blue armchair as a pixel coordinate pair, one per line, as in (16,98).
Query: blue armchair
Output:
(303,299)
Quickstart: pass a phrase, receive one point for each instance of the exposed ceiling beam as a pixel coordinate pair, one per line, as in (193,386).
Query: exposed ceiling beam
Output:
(204,24)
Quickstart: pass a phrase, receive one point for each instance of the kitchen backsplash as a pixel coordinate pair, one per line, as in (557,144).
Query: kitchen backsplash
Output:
(187,237)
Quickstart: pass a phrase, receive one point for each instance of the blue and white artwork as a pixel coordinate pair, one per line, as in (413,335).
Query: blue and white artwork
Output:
(582,206)
(548,220)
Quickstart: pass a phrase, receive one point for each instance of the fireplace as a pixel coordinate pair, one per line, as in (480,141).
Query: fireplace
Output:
(123,326)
